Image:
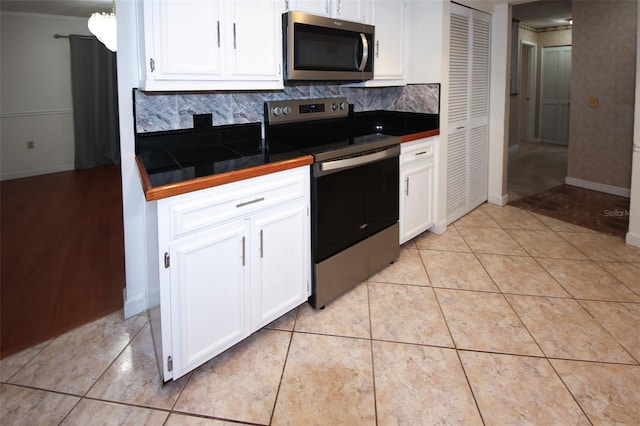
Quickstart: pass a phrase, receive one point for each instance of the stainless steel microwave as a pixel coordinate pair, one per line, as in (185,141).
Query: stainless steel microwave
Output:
(317,48)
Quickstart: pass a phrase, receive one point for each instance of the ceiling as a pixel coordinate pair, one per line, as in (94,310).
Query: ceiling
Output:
(83,8)
(537,14)
(543,14)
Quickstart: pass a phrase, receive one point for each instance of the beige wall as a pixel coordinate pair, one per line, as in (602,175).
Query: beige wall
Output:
(603,66)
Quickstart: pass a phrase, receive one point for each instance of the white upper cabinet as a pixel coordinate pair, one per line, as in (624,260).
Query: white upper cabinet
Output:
(389,44)
(209,45)
(423,46)
(348,10)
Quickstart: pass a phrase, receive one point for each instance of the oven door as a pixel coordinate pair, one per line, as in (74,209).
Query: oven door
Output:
(354,198)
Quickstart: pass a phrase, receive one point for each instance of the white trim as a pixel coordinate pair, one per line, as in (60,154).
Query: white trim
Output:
(134,305)
(501,200)
(35,172)
(596,186)
(633,239)
(439,228)
(36,113)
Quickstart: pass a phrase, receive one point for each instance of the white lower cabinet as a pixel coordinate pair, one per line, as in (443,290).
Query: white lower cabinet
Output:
(209,295)
(416,187)
(232,259)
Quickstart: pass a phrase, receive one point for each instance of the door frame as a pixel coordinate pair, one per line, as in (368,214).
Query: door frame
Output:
(531,92)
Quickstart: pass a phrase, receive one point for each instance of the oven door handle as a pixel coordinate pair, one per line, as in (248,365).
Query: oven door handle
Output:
(332,166)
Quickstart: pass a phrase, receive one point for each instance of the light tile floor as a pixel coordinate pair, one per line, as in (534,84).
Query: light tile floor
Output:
(508,318)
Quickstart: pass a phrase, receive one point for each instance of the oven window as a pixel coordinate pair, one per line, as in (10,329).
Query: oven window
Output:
(352,204)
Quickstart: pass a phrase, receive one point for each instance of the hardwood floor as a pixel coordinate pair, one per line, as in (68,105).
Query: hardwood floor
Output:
(62,251)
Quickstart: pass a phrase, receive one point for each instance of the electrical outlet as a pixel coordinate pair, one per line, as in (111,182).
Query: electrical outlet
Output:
(31,145)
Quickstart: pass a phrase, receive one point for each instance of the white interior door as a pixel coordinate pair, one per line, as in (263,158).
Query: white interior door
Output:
(555,91)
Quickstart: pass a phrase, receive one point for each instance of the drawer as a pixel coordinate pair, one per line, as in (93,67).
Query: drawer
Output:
(197,210)
(418,150)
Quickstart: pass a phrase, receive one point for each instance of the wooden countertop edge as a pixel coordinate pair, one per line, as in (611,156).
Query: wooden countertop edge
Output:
(420,135)
(164,191)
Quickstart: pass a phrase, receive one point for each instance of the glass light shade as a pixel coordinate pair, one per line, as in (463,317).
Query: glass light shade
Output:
(103,26)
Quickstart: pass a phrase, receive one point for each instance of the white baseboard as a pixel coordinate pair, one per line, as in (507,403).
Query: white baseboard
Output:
(633,239)
(439,228)
(35,172)
(134,305)
(596,186)
(514,148)
(501,200)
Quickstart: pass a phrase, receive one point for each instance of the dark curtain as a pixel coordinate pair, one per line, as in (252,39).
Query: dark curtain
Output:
(95,103)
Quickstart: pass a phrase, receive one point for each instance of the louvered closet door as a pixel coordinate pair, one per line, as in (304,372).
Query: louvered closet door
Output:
(468,138)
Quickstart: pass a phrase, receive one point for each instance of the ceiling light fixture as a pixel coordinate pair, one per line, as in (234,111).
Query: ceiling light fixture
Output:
(103,26)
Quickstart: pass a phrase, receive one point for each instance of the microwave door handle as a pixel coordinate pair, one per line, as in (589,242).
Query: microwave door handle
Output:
(365,52)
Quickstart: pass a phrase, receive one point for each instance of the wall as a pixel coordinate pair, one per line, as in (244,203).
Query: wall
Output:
(604,66)
(35,93)
(161,111)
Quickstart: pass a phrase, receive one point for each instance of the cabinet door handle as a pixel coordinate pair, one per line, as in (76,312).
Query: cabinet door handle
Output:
(421,153)
(377,48)
(218,33)
(406,186)
(261,245)
(234,35)
(243,251)
(246,203)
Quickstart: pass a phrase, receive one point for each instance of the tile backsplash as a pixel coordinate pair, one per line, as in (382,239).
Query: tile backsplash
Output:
(169,111)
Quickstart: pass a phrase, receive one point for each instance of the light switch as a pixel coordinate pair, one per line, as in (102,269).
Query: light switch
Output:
(593,102)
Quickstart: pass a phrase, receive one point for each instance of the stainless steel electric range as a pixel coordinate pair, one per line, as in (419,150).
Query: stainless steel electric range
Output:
(354,187)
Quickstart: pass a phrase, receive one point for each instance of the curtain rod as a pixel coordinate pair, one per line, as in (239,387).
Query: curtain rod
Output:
(66,36)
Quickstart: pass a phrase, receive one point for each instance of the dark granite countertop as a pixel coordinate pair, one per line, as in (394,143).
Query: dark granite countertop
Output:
(178,161)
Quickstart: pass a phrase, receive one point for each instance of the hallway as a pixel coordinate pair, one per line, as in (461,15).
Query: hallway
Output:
(535,167)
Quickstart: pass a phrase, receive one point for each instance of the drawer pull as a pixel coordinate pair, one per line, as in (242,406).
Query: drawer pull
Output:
(421,153)
(246,203)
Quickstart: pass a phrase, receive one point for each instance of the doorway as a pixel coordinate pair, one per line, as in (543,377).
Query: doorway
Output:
(527,114)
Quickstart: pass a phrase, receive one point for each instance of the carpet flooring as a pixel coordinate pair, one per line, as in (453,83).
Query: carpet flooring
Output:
(595,210)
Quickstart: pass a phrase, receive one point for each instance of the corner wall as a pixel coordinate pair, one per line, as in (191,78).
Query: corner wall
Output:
(603,66)
(35,93)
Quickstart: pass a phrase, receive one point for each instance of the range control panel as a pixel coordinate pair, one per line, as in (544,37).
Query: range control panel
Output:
(287,111)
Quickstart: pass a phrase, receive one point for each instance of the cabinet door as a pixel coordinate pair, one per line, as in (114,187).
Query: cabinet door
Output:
(316,7)
(348,10)
(415,200)
(389,45)
(351,10)
(281,249)
(186,39)
(256,42)
(209,294)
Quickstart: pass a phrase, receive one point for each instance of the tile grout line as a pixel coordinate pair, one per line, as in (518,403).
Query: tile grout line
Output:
(284,365)
(373,366)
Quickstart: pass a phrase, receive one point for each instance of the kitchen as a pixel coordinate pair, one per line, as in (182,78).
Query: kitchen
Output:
(133,180)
